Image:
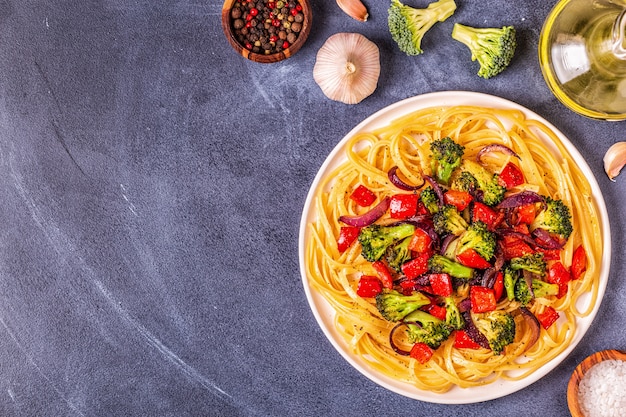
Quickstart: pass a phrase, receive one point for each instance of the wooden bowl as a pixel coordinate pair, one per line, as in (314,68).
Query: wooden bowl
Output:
(229,31)
(579,373)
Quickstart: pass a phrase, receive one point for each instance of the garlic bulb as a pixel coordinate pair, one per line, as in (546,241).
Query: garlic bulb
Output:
(353,8)
(614,159)
(347,67)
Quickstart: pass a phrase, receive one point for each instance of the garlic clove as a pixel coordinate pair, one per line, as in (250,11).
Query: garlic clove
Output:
(354,9)
(614,159)
(347,67)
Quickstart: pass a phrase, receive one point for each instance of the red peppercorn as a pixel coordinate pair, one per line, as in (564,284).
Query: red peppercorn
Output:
(248,25)
(271,5)
(273,38)
(298,7)
(254,11)
(248,45)
(294,11)
(249,17)
(275,22)
(285,45)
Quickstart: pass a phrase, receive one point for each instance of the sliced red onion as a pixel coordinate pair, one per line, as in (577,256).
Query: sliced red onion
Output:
(533,325)
(520,199)
(544,240)
(510,232)
(395,180)
(496,147)
(473,332)
(368,218)
(446,242)
(433,183)
(528,277)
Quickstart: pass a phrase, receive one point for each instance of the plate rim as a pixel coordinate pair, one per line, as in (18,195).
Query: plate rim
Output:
(496,389)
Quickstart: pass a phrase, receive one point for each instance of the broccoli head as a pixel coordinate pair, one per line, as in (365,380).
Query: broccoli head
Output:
(426,328)
(540,289)
(485,182)
(375,239)
(408,25)
(454,318)
(449,220)
(440,264)
(399,253)
(429,199)
(446,156)
(492,47)
(464,182)
(554,218)
(479,238)
(394,306)
(531,262)
(497,326)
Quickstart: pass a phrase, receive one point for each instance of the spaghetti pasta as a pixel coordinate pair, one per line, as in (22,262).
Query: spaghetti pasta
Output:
(548,168)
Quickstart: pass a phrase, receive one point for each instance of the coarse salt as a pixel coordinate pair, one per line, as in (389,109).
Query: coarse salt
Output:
(601,390)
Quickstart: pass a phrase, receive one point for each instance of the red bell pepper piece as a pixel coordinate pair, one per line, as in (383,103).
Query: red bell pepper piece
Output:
(421,352)
(383,273)
(441,284)
(363,196)
(487,215)
(547,317)
(459,199)
(550,254)
(347,235)
(471,258)
(514,247)
(557,274)
(416,266)
(403,206)
(463,341)
(579,262)
(498,286)
(436,310)
(369,286)
(421,241)
(511,176)
(526,213)
(483,299)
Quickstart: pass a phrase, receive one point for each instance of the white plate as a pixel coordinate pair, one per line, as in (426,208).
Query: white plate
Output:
(324,313)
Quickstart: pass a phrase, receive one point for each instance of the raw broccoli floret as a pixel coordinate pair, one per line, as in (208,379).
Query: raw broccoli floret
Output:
(492,47)
(408,25)
(554,218)
(394,306)
(440,264)
(425,328)
(539,289)
(397,254)
(497,326)
(510,277)
(454,318)
(429,199)
(375,239)
(531,262)
(479,238)
(449,220)
(485,182)
(446,156)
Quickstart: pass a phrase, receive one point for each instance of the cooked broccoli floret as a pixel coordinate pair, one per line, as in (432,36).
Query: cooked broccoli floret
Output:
(453,314)
(485,182)
(440,264)
(426,328)
(492,47)
(449,220)
(446,156)
(408,25)
(554,218)
(510,277)
(479,238)
(531,262)
(397,254)
(429,199)
(394,306)
(540,289)
(375,239)
(497,326)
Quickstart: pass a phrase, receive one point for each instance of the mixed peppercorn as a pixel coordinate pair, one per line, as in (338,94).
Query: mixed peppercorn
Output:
(266,27)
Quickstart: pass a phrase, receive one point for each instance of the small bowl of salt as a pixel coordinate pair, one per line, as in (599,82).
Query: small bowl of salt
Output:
(596,388)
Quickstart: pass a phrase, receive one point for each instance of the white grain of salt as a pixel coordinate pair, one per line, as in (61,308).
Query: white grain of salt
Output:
(601,390)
